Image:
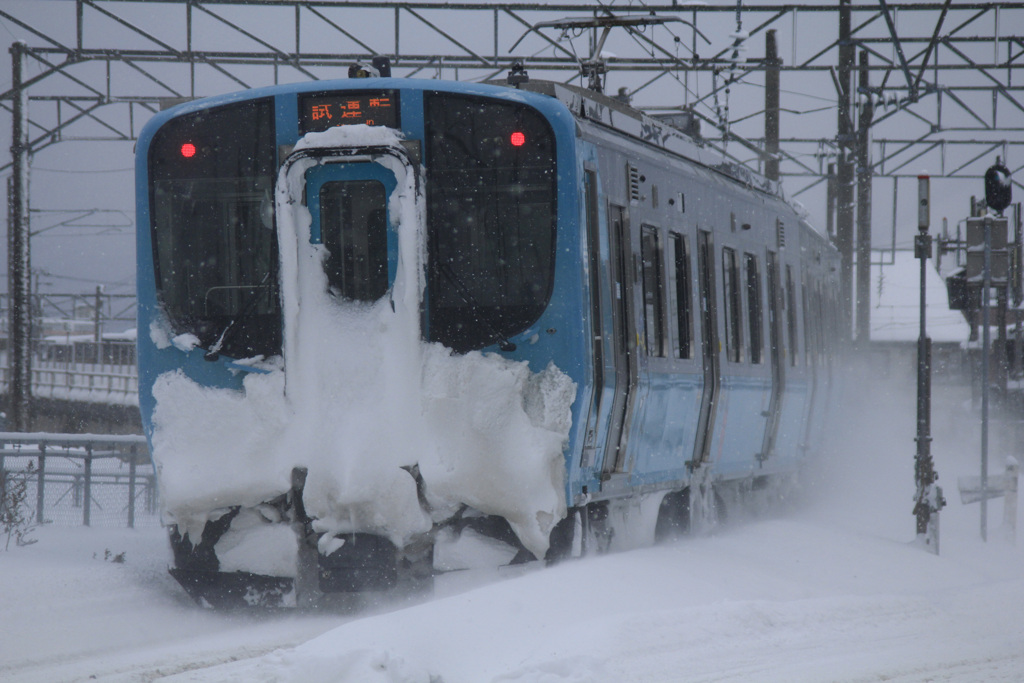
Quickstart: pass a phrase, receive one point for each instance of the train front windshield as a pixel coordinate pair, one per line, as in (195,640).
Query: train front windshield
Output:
(491,213)
(491,195)
(211,197)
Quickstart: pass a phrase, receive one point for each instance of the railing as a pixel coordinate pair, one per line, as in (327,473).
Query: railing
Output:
(82,371)
(83,478)
(89,382)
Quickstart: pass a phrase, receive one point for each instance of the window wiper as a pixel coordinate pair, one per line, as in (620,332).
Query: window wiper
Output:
(446,269)
(247,308)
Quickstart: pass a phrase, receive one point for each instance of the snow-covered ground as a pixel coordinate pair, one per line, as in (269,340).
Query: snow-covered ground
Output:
(831,589)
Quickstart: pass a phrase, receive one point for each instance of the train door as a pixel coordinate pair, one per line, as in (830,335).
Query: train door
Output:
(349,207)
(624,328)
(812,346)
(709,345)
(777,360)
(599,405)
(789,437)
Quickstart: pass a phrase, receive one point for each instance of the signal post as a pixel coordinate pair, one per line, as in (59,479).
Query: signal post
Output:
(928,499)
(988,268)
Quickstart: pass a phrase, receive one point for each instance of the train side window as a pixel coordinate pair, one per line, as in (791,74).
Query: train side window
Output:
(794,351)
(818,331)
(823,342)
(683,303)
(834,340)
(810,326)
(653,284)
(731,290)
(816,314)
(819,326)
(754,308)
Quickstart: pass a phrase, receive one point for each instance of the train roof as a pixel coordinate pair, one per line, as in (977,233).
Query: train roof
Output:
(616,114)
(582,103)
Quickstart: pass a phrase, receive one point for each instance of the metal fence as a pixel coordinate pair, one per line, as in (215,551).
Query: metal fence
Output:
(83,479)
(86,371)
(87,382)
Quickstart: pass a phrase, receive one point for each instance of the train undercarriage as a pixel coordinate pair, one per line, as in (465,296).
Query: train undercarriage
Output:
(340,570)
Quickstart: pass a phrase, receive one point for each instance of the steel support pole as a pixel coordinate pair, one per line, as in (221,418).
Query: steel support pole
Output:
(986,347)
(864,178)
(999,356)
(845,179)
(771,106)
(131,490)
(41,485)
(87,494)
(97,320)
(928,498)
(1010,500)
(18,257)
(830,203)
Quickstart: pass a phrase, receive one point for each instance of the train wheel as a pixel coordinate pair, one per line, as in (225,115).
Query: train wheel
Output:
(673,516)
(707,510)
(562,538)
(416,570)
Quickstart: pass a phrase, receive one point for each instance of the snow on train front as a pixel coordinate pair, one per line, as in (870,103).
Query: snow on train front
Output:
(333,466)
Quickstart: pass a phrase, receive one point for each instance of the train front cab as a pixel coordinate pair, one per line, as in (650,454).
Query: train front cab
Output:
(501,273)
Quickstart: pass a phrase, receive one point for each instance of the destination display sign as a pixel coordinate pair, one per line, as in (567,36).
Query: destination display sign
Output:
(320,111)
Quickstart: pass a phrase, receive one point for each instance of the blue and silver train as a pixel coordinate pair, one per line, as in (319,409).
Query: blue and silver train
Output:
(379,313)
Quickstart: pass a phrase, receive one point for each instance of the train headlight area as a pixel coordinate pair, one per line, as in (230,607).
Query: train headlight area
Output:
(459,310)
